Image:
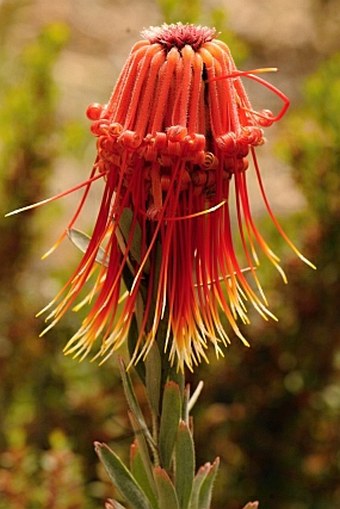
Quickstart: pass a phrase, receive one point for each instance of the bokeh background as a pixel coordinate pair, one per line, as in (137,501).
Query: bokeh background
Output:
(272,412)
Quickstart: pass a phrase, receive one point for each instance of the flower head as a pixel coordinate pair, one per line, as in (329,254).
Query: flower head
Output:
(176,134)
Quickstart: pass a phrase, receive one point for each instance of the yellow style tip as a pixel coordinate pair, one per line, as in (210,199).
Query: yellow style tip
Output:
(308,262)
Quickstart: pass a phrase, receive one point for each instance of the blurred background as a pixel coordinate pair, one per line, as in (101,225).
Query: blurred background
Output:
(272,412)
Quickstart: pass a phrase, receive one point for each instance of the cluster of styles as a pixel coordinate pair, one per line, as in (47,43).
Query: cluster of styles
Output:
(177,133)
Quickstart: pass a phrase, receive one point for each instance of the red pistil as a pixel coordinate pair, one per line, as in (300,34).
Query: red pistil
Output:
(170,144)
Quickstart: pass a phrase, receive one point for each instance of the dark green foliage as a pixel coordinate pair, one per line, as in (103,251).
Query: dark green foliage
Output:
(122,478)
(171,412)
(162,456)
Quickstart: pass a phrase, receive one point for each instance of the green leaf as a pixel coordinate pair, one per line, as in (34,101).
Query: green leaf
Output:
(251,505)
(185,404)
(113,504)
(207,486)
(156,259)
(153,377)
(81,240)
(132,342)
(167,497)
(122,478)
(185,464)
(135,328)
(198,481)
(133,403)
(144,452)
(129,233)
(170,417)
(141,468)
(178,377)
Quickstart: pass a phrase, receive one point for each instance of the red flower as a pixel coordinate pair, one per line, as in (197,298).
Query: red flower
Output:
(173,139)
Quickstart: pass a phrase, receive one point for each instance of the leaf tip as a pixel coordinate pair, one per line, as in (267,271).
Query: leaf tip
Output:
(98,446)
(252,505)
(216,462)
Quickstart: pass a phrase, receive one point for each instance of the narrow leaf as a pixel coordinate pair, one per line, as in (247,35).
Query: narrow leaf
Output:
(132,342)
(197,484)
(170,417)
(130,233)
(81,240)
(185,464)
(135,328)
(178,377)
(153,377)
(122,478)
(167,498)
(157,260)
(133,403)
(144,452)
(207,486)
(251,505)
(141,469)
(185,405)
(113,504)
